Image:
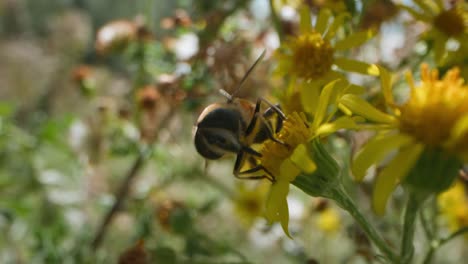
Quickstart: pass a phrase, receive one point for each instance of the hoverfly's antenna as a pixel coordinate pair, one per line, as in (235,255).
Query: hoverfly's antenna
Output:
(226,94)
(249,71)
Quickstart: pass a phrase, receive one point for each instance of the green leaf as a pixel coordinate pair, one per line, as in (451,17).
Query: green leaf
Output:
(164,255)
(181,221)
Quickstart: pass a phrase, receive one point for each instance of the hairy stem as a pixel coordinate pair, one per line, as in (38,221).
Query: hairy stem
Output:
(345,202)
(409,224)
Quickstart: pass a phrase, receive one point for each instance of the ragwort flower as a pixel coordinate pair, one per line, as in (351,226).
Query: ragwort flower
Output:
(430,132)
(329,221)
(446,24)
(311,54)
(249,202)
(453,205)
(286,161)
(309,58)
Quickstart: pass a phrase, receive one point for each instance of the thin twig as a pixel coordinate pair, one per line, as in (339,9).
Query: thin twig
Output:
(120,197)
(436,244)
(425,225)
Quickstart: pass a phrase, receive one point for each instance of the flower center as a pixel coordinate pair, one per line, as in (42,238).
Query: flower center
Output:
(294,132)
(312,56)
(435,107)
(451,22)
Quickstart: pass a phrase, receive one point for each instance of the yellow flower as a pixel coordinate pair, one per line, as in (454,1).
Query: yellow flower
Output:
(284,162)
(249,202)
(446,24)
(433,119)
(309,57)
(311,54)
(328,220)
(453,205)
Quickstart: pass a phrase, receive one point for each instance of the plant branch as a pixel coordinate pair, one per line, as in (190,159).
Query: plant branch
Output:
(438,243)
(121,195)
(409,224)
(345,202)
(425,224)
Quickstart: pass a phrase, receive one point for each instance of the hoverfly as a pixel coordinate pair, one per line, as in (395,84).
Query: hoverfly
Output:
(236,125)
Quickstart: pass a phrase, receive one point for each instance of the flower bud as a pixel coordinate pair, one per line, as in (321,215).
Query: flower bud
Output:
(434,172)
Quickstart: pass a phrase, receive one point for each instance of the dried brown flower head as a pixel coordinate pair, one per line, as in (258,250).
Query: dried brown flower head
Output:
(135,255)
(147,97)
(81,73)
(180,19)
(115,36)
(165,210)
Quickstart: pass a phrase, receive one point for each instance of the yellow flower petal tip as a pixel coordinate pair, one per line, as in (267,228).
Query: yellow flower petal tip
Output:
(277,206)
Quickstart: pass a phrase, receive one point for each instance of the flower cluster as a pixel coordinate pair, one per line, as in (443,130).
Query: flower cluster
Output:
(421,141)
(434,118)
(445,24)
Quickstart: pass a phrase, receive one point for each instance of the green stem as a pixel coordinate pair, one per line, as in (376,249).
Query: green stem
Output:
(407,248)
(345,202)
(425,224)
(438,243)
(339,195)
(276,21)
(326,182)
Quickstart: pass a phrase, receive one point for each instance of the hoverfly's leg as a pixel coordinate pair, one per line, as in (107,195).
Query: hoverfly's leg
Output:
(273,107)
(247,174)
(258,169)
(254,123)
(270,133)
(251,151)
(279,119)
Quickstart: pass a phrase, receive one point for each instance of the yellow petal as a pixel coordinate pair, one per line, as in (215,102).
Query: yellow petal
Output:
(386,84)
(392,175)
(337,23)
(310,94)
(429,7)
(356,66)
(277,205)
(439,47)
(416,14)
(322,20)
(344,122)
(345,109)
(375,151)
(305,22)
(354,89)
(354,40)
(288,171)
(361,107)
(459,130)
(341,87)
(302,160)
(323,102)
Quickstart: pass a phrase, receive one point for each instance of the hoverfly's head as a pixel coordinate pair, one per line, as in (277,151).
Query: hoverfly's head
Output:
(218,131)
